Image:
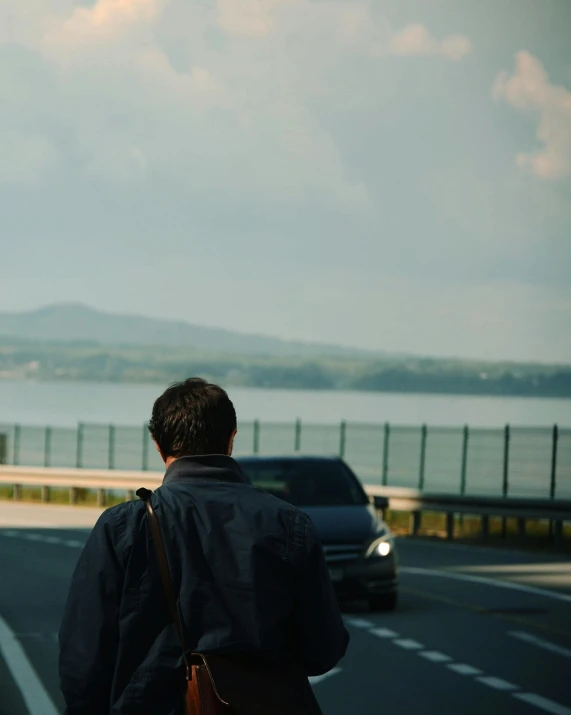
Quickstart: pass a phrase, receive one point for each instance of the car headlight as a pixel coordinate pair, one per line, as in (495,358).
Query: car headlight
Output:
(380,547)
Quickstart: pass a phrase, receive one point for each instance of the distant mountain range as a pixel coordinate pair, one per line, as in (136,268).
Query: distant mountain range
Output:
(73,322)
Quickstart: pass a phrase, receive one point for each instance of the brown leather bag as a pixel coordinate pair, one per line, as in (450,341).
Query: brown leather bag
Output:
(230,685)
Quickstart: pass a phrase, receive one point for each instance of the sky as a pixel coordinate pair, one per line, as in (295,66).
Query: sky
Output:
(385,174)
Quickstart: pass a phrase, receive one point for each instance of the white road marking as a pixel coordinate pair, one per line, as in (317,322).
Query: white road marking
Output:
(553,647)
(543,703)
(409,644)
(318,678)
(359,623)
(435,656)
(487,582)
(464,669)
(72,543)
(496,683)
(33,693)
(383,633)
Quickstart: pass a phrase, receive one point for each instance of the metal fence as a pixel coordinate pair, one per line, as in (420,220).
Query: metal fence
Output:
(514,461)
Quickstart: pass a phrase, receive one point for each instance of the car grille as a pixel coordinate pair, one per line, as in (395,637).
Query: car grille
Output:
(342,552)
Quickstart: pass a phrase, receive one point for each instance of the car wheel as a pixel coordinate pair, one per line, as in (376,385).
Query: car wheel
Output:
(387,602)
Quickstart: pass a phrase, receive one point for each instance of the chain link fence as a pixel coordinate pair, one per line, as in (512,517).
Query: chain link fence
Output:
(514,461)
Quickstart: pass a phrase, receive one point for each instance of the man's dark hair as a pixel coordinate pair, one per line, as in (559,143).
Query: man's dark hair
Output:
(193,417)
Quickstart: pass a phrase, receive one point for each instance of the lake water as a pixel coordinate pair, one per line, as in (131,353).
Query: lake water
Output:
(67,403)
(441,459)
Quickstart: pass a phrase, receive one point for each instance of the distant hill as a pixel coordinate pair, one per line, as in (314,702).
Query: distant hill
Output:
(71,322)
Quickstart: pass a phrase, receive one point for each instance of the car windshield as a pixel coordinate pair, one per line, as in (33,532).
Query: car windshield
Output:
(306,482)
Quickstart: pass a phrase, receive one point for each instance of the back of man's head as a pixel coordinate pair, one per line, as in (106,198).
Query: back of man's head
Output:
(193,417)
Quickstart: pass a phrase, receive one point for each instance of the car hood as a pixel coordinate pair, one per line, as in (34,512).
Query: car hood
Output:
(343,524)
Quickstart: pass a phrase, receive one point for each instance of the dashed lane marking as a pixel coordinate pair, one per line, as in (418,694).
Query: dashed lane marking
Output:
(383,633)
(541,643)
(549,706)
(408,644)
(496,683)
(464,669)
(71,543)
(490,681)
(435,656)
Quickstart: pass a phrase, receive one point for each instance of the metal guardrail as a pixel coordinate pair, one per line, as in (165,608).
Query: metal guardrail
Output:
(508,461)
(557,512)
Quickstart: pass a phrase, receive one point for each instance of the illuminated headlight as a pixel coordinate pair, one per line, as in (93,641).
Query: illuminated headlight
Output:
(380,547)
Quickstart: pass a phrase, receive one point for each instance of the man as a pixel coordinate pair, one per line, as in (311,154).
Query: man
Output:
(248,568)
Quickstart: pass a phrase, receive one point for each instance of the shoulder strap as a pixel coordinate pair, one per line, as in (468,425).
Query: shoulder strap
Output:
(168,588)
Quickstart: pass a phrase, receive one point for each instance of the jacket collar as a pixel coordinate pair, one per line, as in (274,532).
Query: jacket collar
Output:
(205,466)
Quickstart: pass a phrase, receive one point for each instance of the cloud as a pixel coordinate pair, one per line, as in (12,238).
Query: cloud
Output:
(528,89)
(223,96)
(248,18)
(24,156)
(417,40)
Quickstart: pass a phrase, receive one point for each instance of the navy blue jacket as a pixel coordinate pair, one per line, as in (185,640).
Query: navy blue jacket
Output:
(250,573)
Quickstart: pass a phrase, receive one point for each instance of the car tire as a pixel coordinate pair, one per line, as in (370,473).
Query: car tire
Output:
(386,602)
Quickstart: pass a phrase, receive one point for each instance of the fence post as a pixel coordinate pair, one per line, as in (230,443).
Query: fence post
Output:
(3,449)
(17,437)
(297,445)
(386,438)
(79,447)
(423,434)
(465,438)
(505,479)
(47,447)
(145,455)
(554,462)
(111,463)
(256,445)
(505,483)
(342,438)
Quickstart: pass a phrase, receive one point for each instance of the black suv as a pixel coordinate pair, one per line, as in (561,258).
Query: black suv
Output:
(358,546)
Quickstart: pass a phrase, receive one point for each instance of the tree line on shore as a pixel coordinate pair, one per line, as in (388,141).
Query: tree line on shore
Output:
(154,364)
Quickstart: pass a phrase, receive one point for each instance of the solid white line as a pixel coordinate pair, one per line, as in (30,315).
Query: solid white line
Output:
(543,703)
(31,688)
(409,644)
(487,582)
(464,669)
(435,656)
(314,679)
(529,638)
(359,623)
(496,683)
(383,633)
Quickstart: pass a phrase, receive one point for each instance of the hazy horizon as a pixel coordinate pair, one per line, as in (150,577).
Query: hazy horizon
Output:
(391,176)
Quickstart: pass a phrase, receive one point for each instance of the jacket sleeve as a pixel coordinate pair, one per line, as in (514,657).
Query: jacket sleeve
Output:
(321,637)
(88,636)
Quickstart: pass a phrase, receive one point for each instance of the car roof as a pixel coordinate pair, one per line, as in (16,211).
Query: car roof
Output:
(287,458)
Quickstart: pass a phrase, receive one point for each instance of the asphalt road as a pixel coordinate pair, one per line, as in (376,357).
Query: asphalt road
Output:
(477,630)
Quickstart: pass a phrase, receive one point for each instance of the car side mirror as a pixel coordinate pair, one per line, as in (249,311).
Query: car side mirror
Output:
(381,503)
